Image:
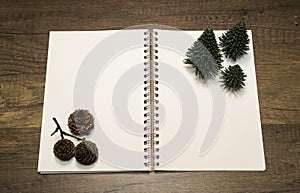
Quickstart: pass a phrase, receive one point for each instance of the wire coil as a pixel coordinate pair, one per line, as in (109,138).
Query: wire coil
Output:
(151,101)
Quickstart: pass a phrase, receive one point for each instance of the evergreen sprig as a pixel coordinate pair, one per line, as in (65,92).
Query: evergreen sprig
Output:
(233,78)
(234,42)
(204,55)
(208,39)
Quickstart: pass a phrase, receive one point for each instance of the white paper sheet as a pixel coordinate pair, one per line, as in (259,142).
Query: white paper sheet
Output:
(203,126)
(101,71)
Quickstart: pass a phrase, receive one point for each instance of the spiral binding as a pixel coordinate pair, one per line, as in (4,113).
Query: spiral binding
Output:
(151,108)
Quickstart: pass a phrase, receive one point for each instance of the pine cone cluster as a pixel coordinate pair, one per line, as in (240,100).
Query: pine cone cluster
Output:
(81,122)
(64,149)
(233,78)
(86,152)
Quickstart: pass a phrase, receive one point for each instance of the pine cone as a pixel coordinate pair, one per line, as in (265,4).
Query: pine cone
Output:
(86,152)
(233,78)
(64,149)
(81,122)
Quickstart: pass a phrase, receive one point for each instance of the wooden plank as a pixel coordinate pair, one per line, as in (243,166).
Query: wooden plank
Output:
(19,161)
(40,16)
(23,69)
(24,27)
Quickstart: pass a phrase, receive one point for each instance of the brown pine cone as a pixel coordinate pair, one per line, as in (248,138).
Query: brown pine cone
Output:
(86,152)
(64,149)
(81,122)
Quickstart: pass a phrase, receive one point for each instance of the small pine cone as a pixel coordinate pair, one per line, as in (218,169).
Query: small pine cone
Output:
(64,149)
(81,122)
(86,152)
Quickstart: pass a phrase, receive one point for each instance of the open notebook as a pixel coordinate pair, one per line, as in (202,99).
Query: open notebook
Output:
(151,113)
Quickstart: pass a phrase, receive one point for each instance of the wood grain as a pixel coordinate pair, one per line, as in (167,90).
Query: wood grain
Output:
(24,27)
(282,174)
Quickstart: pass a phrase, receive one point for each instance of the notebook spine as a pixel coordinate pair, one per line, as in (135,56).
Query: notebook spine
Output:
(151,114)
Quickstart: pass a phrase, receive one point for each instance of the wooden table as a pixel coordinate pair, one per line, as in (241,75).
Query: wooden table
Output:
(24,27)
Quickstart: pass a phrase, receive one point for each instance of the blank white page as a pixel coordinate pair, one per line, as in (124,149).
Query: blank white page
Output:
(203,127)
(103,72)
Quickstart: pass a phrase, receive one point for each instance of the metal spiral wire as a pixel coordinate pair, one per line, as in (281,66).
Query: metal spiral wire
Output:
(151,102)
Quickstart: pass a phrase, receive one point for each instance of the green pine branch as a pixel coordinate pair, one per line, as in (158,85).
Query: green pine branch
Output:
(234,42)
(208,39)
(205,56)
(233,78)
